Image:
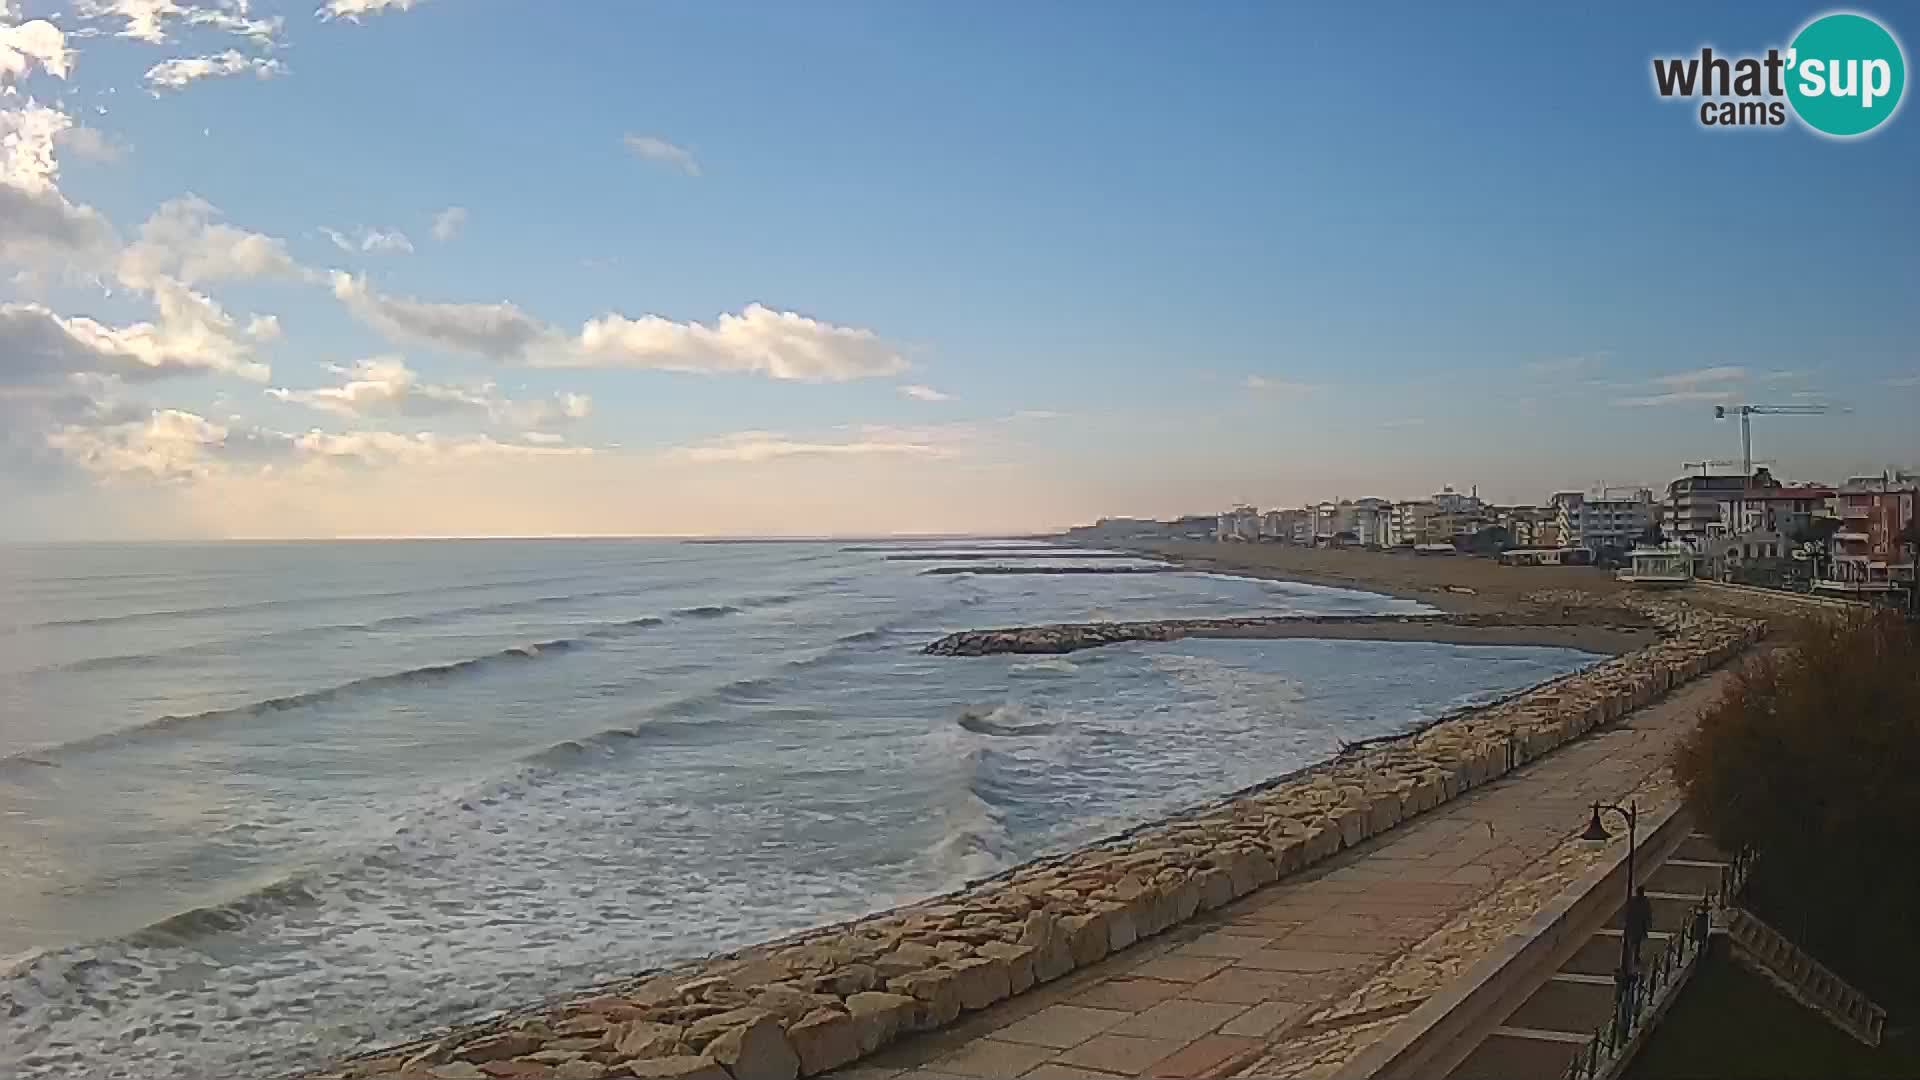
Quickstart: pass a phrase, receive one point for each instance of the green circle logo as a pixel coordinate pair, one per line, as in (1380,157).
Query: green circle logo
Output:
(1845,73)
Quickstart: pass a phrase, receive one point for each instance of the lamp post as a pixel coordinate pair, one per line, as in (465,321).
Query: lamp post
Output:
(1597,831)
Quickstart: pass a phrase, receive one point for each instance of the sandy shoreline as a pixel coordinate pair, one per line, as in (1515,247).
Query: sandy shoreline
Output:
(1430,580)
(1481,602)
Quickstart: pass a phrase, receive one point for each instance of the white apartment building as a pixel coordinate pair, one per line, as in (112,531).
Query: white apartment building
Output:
(1242,523)
(1599,522)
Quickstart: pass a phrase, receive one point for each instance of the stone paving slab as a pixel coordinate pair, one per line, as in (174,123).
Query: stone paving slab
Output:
(1294,978)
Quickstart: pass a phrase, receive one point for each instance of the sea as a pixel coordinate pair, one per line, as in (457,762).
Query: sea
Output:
(265,804)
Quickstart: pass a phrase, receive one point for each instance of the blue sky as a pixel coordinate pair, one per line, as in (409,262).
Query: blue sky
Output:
(1154,257)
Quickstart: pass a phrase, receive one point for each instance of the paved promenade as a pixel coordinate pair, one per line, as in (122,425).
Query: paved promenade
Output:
(1296,977)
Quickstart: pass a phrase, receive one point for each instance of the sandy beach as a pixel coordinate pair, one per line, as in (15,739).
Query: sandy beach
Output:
(1435,580)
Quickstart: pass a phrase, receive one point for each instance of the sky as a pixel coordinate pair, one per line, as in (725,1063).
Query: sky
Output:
(482,267)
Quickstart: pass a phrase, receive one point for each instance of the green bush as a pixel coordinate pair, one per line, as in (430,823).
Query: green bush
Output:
(1813,759)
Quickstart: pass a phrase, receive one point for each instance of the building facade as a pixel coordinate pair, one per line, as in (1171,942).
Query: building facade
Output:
(1598,523)
(1407,524)
(1692,507)
(1866,552)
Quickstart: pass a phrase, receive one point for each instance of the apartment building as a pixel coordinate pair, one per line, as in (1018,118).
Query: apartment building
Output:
(1866,551)
(1692,507)
(1598,522)
(1407,523)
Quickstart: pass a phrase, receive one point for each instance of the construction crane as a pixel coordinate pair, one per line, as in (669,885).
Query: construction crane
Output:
(1748,412)
(1711,463)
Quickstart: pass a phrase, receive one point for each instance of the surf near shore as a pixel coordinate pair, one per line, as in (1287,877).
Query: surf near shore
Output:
(811,1003)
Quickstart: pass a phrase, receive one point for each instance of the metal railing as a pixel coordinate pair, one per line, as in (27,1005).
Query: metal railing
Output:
(1812,982)
(1642,994)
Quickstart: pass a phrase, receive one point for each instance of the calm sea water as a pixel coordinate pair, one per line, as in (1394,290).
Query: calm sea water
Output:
(261,804)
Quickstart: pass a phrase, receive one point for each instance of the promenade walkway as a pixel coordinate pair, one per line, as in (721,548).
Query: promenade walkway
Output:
(1295,978)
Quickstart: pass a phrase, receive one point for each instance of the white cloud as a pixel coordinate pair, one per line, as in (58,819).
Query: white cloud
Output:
(42,226)
(178,73)
(369,240)
(27,137)
(660,150)
(1676,397)
(38,225)
(1279,387)
(759,340)
(184,240)
(355,10)
(180,446)
(924,393)
(547,412)
(1405,422)
(92,144)
(37,43)
(448,223)
(375,240)
(168,445)
(1684,379)
(385,386)
(191,333)
(149,20)
(423,448)
(748,447)
(498,331)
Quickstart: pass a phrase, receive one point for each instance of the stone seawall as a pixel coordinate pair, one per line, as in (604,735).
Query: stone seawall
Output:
(828,997)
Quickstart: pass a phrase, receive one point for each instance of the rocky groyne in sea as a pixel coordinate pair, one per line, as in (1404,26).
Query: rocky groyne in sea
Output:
(828,997)
(938,570)
(1603,630)
(1072,637)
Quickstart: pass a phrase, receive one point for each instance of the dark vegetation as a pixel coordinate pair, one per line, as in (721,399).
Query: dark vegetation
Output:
(1813,759)
(1731,1024)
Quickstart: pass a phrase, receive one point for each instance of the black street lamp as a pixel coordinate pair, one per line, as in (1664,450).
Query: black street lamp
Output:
(1597,831)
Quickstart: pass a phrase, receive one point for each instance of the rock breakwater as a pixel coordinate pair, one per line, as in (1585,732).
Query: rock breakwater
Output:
(1050,570)
(825,998)
(1599,630)
(1071,637)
